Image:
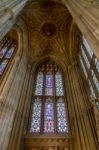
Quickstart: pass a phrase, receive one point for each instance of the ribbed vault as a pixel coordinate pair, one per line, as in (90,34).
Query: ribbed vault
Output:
(51,31)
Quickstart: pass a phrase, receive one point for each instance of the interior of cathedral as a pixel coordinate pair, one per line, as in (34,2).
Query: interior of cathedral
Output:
(49,75)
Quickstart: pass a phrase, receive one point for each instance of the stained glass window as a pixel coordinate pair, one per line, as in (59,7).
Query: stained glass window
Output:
(48,116)
(48,88)
(58,84)
(36,116)
(7,49)
(61,116)
(83,67)
(88,48)
(49,84)
(39,84)
(90,66)
(85,57)
(3,65)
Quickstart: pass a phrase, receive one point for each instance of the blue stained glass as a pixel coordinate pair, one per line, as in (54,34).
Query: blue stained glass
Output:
(10,52)
(3,51)
(48,116)
(58,84)
(61,117)
(49,84)
(3,66)
(36,116)
(39,84)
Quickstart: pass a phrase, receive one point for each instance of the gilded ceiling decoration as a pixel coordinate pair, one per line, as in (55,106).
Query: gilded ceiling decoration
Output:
(49,26)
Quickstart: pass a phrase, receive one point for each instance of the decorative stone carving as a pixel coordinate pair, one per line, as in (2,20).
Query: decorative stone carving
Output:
(49,142)
(48,29)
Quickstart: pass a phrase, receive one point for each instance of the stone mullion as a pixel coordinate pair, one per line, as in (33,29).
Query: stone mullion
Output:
(43,100)
(55,103)
(88,106)
(90,77)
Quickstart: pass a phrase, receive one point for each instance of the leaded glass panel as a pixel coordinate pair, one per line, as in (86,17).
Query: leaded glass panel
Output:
(48,116)
(7,48)
(85,57)
(88,58)
(49,84)
(89,50)
(3,65)
(39,84)
(58,84)
(83,67)
(3,51)
(61,117)
(10,52)
(36,116)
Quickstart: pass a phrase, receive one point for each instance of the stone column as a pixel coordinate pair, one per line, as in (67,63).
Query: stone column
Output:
(8,15)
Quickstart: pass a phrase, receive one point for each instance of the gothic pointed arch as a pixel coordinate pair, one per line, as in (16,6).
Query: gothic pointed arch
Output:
(48,101)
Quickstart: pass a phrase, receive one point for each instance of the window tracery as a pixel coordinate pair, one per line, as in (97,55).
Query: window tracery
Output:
(49,113)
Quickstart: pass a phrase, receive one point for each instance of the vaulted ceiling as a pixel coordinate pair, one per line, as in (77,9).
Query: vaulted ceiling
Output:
(51,30)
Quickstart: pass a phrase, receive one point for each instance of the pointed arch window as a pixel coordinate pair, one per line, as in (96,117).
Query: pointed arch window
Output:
(48,110)
(90,66)
(7,50)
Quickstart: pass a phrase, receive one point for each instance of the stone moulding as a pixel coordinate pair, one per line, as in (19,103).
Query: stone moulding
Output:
(32,141)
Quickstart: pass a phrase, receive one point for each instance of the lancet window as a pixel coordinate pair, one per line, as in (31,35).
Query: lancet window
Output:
(7,50)
(90,66)
(48,110)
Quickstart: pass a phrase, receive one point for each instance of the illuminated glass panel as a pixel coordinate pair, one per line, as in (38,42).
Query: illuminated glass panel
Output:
(3,65)
(58,84)
(91,89)
(39,84)
(83,67)
(10,52)
(89,50)
(49,78)
(5,48)
(48,116)
(49,84)
(6,52)
(3,51)
(95,80)
(85,57)
(61,116)
(97,64)
(36,116)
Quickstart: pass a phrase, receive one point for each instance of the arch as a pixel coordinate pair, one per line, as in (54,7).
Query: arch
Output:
(22,39)
(58,61)
(48,96)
